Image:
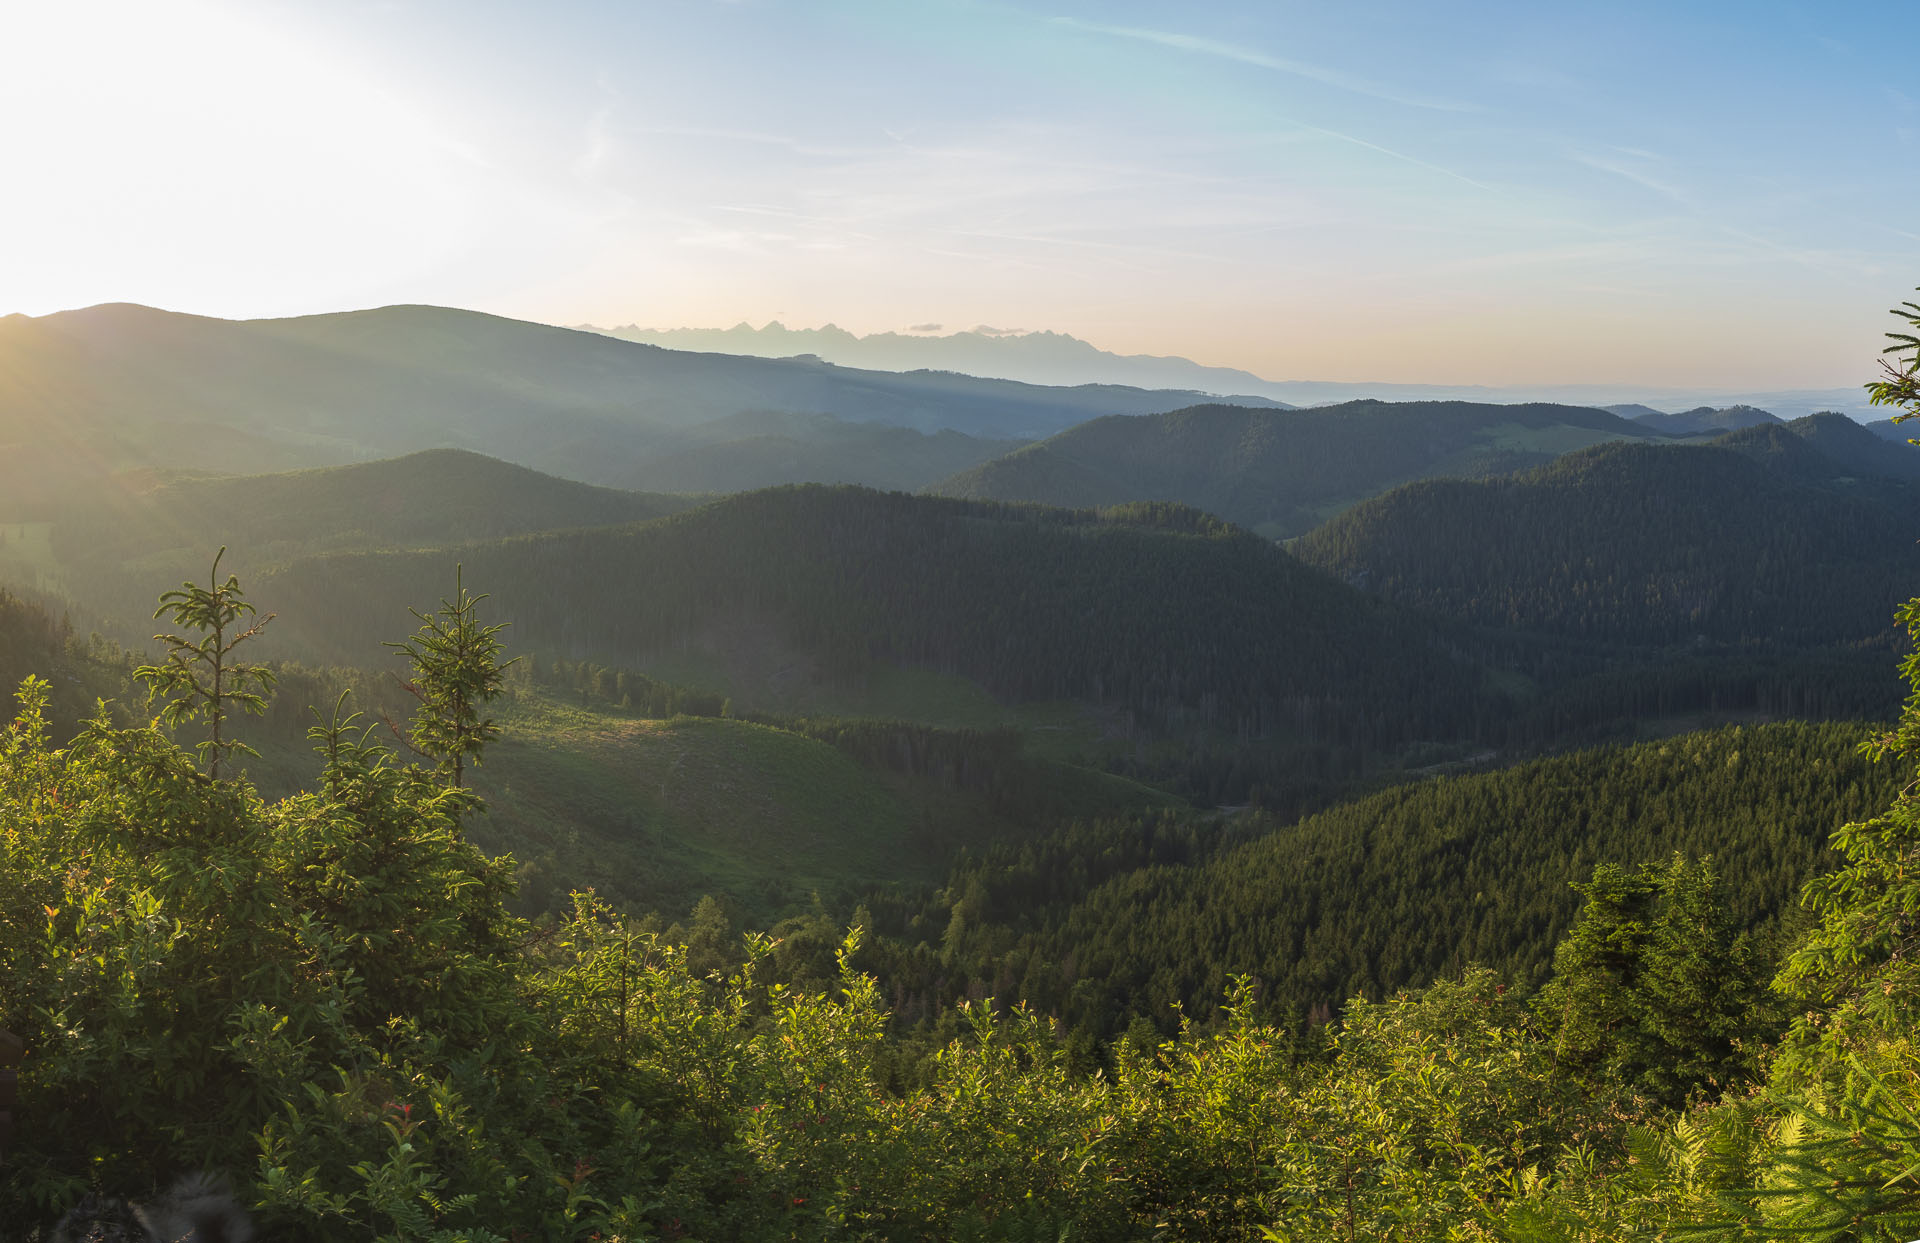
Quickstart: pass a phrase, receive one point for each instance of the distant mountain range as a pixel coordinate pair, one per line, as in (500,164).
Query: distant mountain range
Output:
(120,386)
(1035,357)
(1058,358)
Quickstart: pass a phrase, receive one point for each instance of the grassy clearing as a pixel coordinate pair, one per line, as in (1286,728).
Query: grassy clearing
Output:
(884,693)
(1063,731)
(655,813)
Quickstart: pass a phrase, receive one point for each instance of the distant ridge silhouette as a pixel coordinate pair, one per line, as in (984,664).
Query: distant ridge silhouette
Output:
(1045,357)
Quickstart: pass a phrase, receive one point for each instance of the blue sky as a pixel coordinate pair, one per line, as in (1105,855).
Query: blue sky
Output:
(1684,193)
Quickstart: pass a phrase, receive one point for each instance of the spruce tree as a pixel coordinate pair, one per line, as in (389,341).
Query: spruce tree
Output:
(1901,387)
(200,679)
(457,672)
(1655,989)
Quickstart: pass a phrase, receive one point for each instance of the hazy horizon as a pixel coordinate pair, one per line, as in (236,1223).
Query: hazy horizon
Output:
(1498,196)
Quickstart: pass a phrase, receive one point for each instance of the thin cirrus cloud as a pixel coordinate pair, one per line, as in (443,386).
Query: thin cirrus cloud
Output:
(1752,241)
(1639,177)
(1402,156)
(1252,56)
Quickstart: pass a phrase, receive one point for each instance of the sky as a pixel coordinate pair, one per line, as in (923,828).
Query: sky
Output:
(1685,193)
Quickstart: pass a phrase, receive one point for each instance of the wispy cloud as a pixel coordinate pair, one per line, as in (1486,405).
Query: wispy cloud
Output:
(1638,176)
(1402,156)
(1253,56)
(1825,260)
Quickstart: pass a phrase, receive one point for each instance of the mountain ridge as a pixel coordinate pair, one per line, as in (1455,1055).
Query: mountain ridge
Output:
(1759,536)
(1282,472)
(840,581)
(116,386)
(1047,356)
(1042,357)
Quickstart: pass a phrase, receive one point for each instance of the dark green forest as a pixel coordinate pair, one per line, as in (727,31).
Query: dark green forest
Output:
(1757,538)
(1151,917)
(1161,613)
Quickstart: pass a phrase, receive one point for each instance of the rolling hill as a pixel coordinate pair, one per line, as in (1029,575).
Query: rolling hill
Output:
(112,544)
(1758,537)
(1283,472)
(1704,419)
(119,386)
(1160,614)
(436,496)
(1841,449)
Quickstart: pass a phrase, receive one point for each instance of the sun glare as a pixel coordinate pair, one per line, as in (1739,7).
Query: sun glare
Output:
(180,153)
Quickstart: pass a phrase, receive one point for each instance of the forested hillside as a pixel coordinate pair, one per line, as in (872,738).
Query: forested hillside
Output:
(1111,921)
(1841,449)
(1159,613)
(1759,538)
(1283,472)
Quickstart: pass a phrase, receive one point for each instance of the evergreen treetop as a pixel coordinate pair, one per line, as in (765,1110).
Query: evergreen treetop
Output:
(200,679)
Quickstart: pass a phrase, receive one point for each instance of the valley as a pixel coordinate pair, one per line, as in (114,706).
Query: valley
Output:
(1120,632)
(1091,727)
